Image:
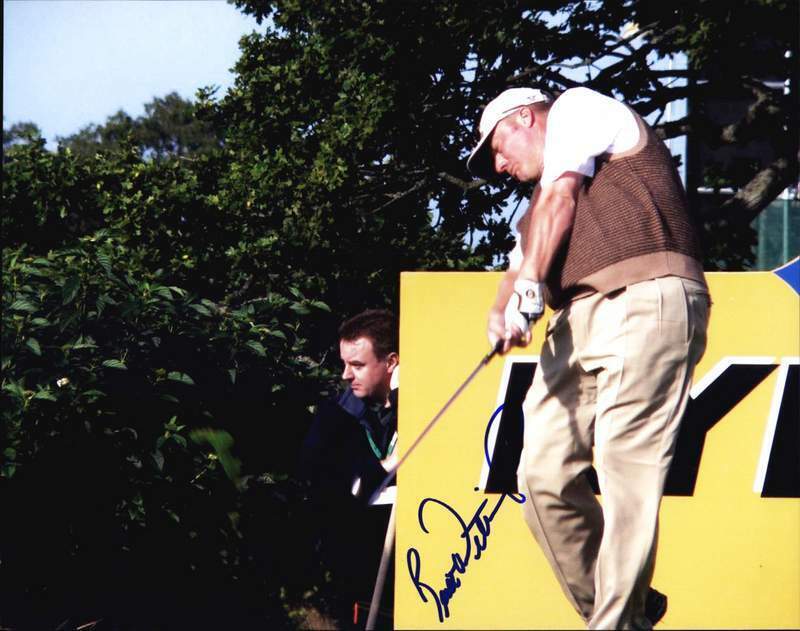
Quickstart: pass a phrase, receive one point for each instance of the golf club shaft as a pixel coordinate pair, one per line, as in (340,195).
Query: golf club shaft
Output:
(393,471)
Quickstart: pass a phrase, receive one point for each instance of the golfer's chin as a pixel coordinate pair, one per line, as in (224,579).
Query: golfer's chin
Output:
(525,176)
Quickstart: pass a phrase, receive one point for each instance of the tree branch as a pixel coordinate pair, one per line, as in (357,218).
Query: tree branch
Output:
(762,108)
(639,54)
(682,127)
(753,123)
(751,199)
(398,196)
(541,71)
(462,184)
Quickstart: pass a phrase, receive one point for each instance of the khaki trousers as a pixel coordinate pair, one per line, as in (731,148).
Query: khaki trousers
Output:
(613,378)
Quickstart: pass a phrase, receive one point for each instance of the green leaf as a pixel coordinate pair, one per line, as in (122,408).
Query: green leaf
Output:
(210,304)
(232,373)
(70,289)
(84,342)
(320,305)
(9,453)
(181,377)
(15,389)
(93,394)
(158,458)
(115,363)
(257,348)
(105,262)
(221,442)
(164,292)
(23,305)
(35,271)
(46,395)
(33,344)
(200,309)
(299,308)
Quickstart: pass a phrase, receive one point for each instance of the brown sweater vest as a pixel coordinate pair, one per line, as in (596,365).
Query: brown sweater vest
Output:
(631,224)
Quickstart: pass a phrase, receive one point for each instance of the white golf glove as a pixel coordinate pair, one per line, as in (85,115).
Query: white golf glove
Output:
(525,306)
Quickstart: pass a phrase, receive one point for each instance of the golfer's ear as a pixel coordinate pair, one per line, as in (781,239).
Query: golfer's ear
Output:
(526,116)
(392,361)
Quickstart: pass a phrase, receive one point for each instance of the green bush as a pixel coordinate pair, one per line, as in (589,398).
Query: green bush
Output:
(122,396)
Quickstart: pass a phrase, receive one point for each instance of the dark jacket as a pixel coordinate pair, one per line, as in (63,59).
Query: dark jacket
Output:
(338,449)
(349,532)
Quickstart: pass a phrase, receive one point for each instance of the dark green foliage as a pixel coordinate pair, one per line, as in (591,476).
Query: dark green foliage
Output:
(20,133)
(116,477)
(169,126)
(151,414)
(392,90)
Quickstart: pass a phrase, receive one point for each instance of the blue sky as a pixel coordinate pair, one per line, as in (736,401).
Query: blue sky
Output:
(68,63)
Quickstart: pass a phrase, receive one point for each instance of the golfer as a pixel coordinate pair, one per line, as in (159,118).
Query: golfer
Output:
(608,243)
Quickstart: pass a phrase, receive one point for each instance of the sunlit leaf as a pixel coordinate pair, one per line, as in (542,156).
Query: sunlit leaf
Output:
(222,443)
(181,377)
(70,289)
(33,345)
(23,305)
(45,394)
(200,309)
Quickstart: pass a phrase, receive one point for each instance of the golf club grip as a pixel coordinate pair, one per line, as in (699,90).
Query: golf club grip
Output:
(498,347)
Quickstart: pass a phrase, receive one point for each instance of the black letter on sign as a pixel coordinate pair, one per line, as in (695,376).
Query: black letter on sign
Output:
(720,397)
(783,470)
(702,413)
(508,446)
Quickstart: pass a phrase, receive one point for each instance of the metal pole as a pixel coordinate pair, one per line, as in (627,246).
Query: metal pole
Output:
(785,248)
(761,259)
(388,543)
(377,592)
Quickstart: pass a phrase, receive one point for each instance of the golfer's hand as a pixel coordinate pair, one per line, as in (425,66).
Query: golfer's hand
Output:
(524,308)
(496,329)
(507,337)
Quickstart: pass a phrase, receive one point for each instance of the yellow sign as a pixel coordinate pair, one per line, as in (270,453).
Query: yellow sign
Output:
(729,542)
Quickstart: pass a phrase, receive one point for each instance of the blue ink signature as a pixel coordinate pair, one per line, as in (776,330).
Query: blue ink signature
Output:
(475,534)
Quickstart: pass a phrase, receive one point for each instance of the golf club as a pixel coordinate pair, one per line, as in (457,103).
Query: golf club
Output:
(393,471)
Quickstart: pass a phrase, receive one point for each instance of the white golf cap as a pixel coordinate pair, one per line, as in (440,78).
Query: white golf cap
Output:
(479,162)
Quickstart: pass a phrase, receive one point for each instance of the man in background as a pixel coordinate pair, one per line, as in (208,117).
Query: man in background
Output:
(346,456)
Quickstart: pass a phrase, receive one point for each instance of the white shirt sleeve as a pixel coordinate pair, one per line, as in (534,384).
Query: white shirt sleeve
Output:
(581,125)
